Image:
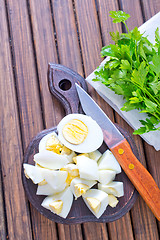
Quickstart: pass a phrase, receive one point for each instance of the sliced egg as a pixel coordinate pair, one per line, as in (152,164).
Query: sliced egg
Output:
(108,161)
(72,171)
(50,142)
(82,154)
(88,168)
(60,203)
(114,188)
(56,179)
(106,176)
(80,133)
(96,200)
(95,155)
(79,186)
(33,172)
(50,160)
(45,190)
(113,201)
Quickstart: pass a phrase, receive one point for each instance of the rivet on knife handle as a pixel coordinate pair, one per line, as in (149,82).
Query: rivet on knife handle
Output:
(139,176)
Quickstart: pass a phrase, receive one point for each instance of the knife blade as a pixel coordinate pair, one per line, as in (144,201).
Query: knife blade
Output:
(136,172)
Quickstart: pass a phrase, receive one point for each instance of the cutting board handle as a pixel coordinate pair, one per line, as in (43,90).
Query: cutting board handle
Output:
(61,81)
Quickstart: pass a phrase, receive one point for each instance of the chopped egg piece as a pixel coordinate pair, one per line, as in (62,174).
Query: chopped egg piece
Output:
(106,176)
(108,161)
(56,206)
(94,203)
(50,142)
(56,179)
(72,171)
(114,188)
(46,190)
(33,172)
(88,168)
(95,155)
(42,183)
(75,131)
(80,133)
(113,201)
(96,200)
(50,160)
(79,186)
(82,154)
(60,203)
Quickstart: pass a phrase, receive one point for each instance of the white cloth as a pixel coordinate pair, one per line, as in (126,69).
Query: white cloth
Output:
(116,102)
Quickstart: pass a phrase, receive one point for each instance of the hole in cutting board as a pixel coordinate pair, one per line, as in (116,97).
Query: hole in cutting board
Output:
(65,84)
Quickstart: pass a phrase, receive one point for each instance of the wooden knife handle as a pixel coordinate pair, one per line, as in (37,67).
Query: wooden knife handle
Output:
(139,176)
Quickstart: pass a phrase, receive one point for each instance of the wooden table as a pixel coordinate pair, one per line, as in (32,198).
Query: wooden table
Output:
(32,34)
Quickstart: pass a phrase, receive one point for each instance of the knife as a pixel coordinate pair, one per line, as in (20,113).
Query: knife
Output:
(136,172)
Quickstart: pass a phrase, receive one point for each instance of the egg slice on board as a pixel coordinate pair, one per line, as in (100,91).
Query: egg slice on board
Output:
(60,203)
(46,190)
(113,201)
(114,188)
(50,160)
(72,171)
(108,161)
(80,133)
(106,176)
(88,168)
(33,172)
(96,200)
(51,143)
(79,186)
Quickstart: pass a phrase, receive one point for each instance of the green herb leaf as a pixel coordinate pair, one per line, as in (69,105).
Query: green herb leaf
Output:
(119,16)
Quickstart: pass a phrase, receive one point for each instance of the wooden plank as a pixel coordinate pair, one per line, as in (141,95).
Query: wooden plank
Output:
(92,230)
(28,95)
(18,218)
(150,8)
(147,218)
(70,232)
(89,29)
(45,49)
(2,217)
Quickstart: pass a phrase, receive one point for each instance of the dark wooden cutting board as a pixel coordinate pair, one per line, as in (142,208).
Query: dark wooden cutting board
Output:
(61,82)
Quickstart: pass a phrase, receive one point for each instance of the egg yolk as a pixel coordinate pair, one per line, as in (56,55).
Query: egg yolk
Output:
(80,189)
(54,145)
(71,175)
(75,131)
(94,203)
(56,206)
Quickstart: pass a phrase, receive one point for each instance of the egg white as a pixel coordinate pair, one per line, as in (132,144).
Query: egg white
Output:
(94,137)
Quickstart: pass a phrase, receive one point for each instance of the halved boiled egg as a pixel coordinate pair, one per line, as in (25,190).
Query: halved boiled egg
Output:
(108,161)
(96,200)
(114,188)
(60,203)
(80,133)
(79,186)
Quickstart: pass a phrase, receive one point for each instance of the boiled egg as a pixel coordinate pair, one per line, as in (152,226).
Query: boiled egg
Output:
(80,133)
(114,188)
(95,155)
(72,171)
(51,143)
(33,172)
(88,168)
(79,186)
(108,161)
(96,200)
(106,176)
(113,201)
(50,160)
(60,203)
(45,189)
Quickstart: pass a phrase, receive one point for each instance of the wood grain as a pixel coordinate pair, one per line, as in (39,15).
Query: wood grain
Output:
(28,94)
(2,217)
(150,8)
(18,218)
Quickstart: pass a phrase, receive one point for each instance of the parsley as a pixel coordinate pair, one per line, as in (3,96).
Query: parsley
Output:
(133,71)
